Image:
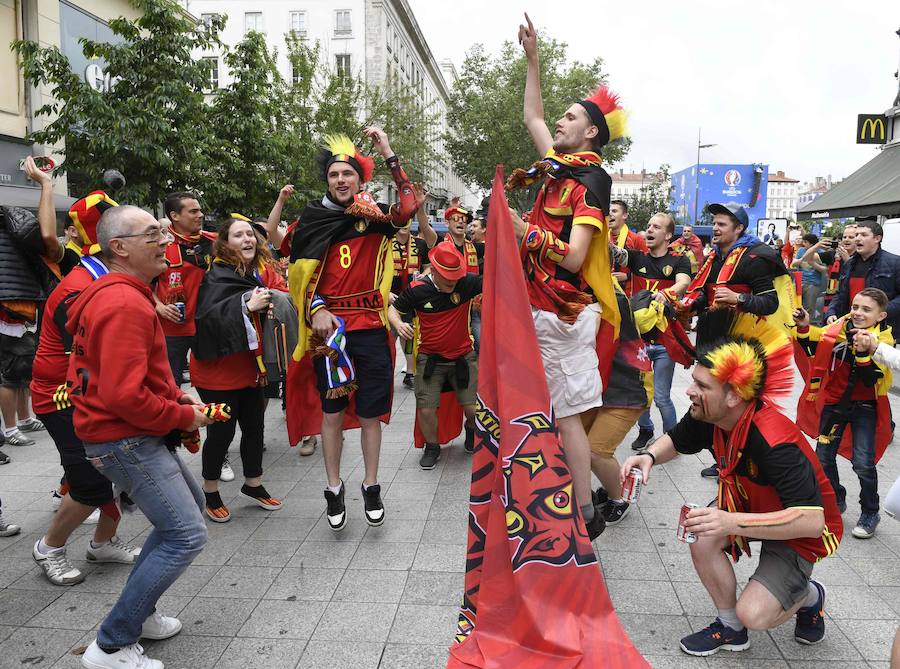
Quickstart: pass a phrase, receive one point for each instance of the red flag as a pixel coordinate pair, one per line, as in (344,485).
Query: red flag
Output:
(450,421)
(534,594)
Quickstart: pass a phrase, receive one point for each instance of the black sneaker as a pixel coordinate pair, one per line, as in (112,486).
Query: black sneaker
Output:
(613,512)
(374,506)
(711,472)
(4,458)
(714,638)
(408,380)
(640,442)
(470,439)
(430,456)
(596,526)
(337,512)
(810,626)
(599,497)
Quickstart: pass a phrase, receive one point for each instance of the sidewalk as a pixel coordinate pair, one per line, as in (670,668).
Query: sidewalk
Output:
(280,590)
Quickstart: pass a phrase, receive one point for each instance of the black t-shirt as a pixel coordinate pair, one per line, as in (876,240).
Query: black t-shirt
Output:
(861,268)
(663,267)
(69,261)
(783,466)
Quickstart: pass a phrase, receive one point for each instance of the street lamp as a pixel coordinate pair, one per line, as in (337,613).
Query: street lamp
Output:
(697,174)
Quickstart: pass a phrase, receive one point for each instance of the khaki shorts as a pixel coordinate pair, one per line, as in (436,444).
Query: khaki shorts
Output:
(784,573)
(607,427)
(569,354)
(428,393)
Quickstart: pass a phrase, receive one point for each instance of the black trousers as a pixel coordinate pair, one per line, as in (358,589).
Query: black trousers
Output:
(177,349)
(247,410)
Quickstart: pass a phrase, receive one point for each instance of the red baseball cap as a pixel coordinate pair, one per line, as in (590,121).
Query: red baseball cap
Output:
(447,261)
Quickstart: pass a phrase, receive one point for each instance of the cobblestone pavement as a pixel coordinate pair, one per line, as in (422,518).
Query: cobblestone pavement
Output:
(280,589)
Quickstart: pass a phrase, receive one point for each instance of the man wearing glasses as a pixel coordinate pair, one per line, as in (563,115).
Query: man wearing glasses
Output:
(126,401)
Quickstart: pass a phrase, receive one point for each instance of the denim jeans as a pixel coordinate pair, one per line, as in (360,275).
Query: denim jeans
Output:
(663,369)
(861,418)
(166,492)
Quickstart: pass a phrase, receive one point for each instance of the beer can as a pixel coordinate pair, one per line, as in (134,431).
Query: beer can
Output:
(180,306)
(681,533)
(631,489)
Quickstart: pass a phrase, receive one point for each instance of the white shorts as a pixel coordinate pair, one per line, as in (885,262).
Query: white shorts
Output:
(569,354)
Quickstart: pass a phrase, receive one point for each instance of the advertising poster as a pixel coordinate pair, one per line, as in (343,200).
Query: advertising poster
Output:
(743,184)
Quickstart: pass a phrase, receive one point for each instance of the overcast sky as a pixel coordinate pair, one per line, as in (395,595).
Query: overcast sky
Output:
(771,81)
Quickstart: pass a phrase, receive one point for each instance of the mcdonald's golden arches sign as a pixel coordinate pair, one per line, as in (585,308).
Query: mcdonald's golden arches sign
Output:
(870,129)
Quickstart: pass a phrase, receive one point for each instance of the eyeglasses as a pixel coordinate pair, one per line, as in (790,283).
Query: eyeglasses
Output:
(152,235)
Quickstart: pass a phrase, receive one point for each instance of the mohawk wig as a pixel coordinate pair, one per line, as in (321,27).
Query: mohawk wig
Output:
(340,149)
(607,114)
(752,356)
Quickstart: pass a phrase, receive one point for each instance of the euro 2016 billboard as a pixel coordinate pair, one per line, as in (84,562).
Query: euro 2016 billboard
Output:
(743,184)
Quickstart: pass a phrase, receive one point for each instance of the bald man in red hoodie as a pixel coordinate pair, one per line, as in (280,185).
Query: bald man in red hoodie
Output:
(126,401)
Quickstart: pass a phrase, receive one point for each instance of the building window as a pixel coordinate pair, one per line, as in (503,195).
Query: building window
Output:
(295,75)
(298,23)
(342,25)
(207,19)
(253,21)
(213,64)
(342,64)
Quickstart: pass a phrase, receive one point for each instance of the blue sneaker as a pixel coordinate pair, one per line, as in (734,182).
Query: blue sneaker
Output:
(865,526)
(810,625)
(714,638)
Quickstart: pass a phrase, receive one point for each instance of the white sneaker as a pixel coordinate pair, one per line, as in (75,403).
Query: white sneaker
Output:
(227,472)
(158,626)
(129,657)
(56,566)
(114,550)
(8,529)
(93,518)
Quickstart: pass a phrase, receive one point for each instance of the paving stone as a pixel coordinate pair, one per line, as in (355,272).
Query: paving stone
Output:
(280,619)
(326,554)
(384,555)
(240,582)
(284,529)
(272,653)
(440,557)
(424,624)
(338,655)
(74,610)
(655,634)
(369,622)
(307,583)
(872,638)
(263,554)
(208,616)
(370,585)
(188,651)
(645,566)
(407,656)
(426,587)
(401,531)
(32,647)
(643,597)
(446,532)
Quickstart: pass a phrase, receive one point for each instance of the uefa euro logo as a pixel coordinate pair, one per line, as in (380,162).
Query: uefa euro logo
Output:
(732,180)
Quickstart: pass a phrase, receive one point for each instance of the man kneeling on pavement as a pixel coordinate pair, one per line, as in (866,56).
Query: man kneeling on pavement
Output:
(771,489)
(442,302)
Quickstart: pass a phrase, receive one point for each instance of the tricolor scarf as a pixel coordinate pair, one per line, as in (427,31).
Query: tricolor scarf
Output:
(407,262)
(339,371)
(727,449)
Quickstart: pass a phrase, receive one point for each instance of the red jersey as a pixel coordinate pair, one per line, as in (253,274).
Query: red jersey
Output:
(51,362)
(560,205)
(119,378)
(238,370)
(445,328)
(188,260)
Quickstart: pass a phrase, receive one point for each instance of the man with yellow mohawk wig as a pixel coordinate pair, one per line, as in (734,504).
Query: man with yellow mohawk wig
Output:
(771,487)
(565,249)
(340,279)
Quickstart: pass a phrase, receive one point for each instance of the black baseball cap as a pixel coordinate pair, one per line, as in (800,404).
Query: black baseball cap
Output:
(731,209)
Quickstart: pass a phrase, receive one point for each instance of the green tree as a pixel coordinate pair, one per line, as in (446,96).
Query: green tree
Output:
(152,122)
(485,110)
(652,198)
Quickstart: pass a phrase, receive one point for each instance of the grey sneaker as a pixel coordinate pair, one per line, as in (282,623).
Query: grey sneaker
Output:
(114,550)
(31,425)
(56,566)
(8,529)
(19,439)
(865,526)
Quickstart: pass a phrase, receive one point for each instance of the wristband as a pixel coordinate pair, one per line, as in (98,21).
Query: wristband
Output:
(646,452)
(318,303)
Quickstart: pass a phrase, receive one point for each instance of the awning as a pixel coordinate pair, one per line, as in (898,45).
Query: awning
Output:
(29,198)
(872,190)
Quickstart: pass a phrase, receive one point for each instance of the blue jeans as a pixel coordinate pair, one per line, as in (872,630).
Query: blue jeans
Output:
(166,492)
(663,370)
(861,418)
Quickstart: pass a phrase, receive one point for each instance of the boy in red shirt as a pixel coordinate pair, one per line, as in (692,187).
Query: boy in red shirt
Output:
(442,301)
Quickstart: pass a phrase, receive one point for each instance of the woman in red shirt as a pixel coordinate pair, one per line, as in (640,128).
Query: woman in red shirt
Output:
(226,360)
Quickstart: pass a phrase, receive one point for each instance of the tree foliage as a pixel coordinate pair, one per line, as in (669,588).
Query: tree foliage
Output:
(652,198)
(160,126)
(485,112)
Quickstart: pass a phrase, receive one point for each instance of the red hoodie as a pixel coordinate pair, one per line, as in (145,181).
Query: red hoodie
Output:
(119,378)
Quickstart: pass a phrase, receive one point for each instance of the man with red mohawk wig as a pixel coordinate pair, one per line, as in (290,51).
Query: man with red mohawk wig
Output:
(565,247)
(771,486)
(340,279)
